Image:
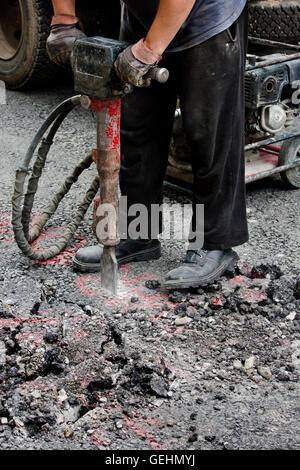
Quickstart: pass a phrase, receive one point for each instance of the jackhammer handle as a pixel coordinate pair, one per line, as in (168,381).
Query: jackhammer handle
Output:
(160,75)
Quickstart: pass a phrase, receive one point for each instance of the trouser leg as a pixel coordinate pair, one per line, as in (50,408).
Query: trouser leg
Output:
(211,86)
(146,129)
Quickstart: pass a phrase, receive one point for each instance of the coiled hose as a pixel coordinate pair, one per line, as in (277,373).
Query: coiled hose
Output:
(21,211)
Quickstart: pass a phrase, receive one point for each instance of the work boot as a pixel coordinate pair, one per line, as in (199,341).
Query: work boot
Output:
(87,259)
(201,267)
(60,42)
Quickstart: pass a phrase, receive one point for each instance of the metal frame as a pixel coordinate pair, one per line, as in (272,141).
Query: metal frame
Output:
(271,140)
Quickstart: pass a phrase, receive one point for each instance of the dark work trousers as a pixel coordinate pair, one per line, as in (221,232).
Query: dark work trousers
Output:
(209,80)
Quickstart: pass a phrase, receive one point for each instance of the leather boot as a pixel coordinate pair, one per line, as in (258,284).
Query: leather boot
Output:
(201,267)
(60,42)
(87,259)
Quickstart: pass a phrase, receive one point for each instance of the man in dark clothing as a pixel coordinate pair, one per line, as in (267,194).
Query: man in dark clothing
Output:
(203,44)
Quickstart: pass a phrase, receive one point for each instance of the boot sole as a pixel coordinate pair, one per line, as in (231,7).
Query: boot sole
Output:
(145,255)
(226,265)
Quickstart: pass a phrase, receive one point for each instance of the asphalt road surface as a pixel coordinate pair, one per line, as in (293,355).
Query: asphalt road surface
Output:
(214,369)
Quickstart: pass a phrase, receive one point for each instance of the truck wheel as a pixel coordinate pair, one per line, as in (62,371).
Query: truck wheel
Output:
(289,152)
(24,28)
(278,20)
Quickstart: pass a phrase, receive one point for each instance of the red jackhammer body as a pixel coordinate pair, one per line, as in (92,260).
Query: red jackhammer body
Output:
(93,66)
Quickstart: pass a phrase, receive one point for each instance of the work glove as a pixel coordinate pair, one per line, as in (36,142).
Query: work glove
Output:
(60,43)
(134,63)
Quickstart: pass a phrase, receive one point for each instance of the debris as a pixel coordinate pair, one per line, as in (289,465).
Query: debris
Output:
(193,437)
(250,362)
(176,297)
(2,353)
(265,372)
(181,321)
(152,284)
(210,437)
(291,316)
(50,337)
(237,364)
(264,271)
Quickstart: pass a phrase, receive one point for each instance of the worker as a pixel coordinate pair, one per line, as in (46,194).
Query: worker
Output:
(203,44)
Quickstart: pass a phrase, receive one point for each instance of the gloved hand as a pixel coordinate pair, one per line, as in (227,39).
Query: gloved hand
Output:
(60,42)
(134,62)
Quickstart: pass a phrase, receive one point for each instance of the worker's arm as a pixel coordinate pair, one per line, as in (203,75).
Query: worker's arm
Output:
(64,12)
(65,30)
(170,17)
(133,63)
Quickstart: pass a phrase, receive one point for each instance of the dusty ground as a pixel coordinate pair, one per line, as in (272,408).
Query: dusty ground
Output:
(79,370)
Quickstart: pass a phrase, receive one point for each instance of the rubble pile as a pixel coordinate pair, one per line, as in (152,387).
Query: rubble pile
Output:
(164,372)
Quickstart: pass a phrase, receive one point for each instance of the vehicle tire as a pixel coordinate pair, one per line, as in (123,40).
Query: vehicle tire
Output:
(24,28)
(277,20)
(289,152)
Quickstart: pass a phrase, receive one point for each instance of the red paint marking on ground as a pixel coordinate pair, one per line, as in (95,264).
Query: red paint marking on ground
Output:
(238,279)
(68,252)
(63,258)
(252,295)
(28,321)
(90,285)
(99,439)
(86,381)
(88,279)
(141,432)
(5,219)
(218,301)
(41,384)
(78,336)
(37,338)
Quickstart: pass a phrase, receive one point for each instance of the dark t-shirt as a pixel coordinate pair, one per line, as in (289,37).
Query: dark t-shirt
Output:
(207,18)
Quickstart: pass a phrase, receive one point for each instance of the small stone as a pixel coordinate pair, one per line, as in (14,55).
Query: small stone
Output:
(88,310)
(237,364)
(291,316)
(18,422)
(69,433)
(36,394)
(209,438)
(265,372)
(62,396)
(152,284)
(180,309)
(176,297)
(250,362)
(181,321)
(193,437)
(4,421)
(283,377)
(170,423)
(2,353)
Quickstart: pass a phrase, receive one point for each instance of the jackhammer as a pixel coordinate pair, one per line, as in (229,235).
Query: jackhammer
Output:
(100,89)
